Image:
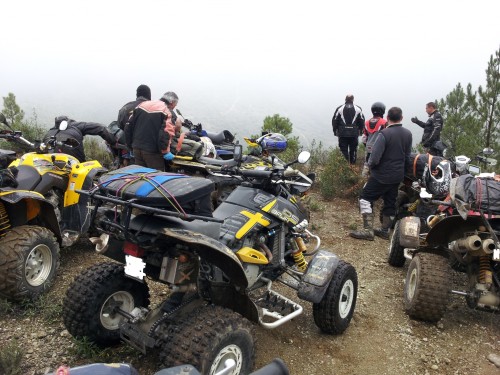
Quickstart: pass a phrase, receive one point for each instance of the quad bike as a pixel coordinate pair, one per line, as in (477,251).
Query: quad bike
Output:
(29,239)
(220,267)
(56,176)
(462,236)
(30,268)
(414,204)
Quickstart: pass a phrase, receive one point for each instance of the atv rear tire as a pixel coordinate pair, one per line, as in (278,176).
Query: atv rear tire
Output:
(29,260)
(334,312)
(207,338)
(426,290)
(396,257)
(93,295)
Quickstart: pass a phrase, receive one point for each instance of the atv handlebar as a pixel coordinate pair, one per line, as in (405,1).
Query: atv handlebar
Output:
(15,135)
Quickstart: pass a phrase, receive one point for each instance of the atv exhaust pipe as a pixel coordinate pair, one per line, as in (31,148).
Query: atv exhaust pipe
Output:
(488,246)
(101,243)
(471,243)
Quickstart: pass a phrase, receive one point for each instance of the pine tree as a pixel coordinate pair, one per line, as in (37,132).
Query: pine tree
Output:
(11,110)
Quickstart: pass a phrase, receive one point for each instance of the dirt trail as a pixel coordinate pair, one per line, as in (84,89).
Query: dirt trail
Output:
(380,340)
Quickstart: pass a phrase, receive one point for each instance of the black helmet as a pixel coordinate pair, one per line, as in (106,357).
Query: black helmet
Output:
(378,108)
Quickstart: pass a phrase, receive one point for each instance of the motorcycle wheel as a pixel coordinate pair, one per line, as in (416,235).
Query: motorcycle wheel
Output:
(396,257)
(30,260)
(88,307)
(207,338)
(426,290)
(334,312)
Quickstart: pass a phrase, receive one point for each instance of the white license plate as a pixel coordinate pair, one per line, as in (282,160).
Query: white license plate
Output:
(410,229)
(134,267)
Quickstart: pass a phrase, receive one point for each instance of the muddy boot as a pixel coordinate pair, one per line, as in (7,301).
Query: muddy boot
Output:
(367,232)
(383,232)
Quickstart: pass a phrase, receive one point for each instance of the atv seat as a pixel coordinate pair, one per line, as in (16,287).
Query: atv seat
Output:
(170,191)
(27,177)
(223,136)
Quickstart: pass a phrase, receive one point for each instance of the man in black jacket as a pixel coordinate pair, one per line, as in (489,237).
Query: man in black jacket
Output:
(143,93)
(388,161)
(348,123)
(432,129)
(65,128)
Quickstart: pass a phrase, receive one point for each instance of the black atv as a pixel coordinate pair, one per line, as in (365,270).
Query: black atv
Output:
(220,268)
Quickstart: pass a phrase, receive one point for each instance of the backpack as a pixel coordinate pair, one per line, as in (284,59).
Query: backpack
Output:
(114,128)
(372,136)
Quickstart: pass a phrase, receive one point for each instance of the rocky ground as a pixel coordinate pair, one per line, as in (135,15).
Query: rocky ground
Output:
(380,340)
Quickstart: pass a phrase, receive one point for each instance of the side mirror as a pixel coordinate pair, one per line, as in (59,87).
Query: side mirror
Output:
(238,153)
(488,151)
(304,157)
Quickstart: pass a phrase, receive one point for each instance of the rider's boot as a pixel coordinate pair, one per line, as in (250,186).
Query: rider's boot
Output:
(367,232)
(383,232)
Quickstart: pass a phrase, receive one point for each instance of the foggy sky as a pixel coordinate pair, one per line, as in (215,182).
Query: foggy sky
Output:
(232,63)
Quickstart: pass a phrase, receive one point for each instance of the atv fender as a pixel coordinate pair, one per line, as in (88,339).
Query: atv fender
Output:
(24,206)
(453,227)
(317,276)
(212,251)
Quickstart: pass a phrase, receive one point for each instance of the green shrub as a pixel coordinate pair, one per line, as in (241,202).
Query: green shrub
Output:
(11,356)
(338,178)
(95,149)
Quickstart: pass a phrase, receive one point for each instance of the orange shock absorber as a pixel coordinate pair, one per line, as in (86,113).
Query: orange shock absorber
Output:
(4,220)
(413,206)
(485,274)
(298,255)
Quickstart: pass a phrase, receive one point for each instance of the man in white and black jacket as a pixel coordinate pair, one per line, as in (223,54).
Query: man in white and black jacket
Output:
(388,162)
(348,123)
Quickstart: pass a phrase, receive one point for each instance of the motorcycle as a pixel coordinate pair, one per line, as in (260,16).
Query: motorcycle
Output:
(463,237)
(220,267)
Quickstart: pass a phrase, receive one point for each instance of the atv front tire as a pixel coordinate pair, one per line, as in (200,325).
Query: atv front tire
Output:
(89,308)
(29,260)
(207,338)
(427,291)
(334,312)
(396,257)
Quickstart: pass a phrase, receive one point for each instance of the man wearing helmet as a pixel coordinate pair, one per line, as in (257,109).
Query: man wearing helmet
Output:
(432,130)
(348,122)
(388,162)
(371,131)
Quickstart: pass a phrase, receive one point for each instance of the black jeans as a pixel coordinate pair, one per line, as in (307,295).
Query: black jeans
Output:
(349,148)
(373,190)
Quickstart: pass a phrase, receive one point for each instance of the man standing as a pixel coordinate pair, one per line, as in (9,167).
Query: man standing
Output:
(389,159)
(432,129)
(348,122)
(143,93)
(150,130)
(371,132)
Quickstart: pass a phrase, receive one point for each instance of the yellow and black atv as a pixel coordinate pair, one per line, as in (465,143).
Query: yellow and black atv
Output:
(56,176)
(53,178)
(29,239)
